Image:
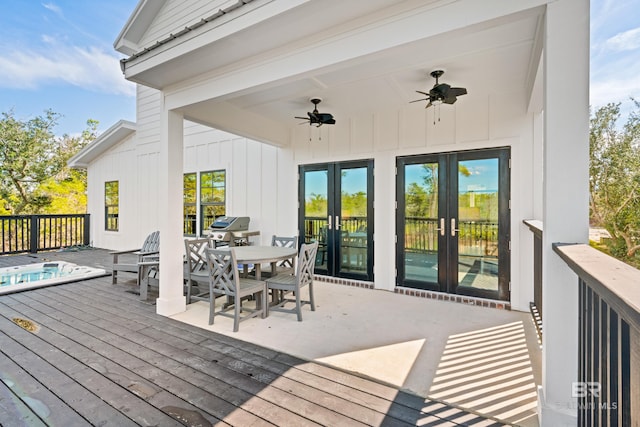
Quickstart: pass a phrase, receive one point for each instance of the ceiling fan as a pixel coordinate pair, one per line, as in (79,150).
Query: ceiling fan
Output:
(441,93)
(316,118)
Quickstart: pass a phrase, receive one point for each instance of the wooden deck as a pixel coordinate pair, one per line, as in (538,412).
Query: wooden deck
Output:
(99,356)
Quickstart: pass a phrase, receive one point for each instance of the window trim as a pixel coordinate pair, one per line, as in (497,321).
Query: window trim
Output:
(193,204)
(110,217)
(202,205)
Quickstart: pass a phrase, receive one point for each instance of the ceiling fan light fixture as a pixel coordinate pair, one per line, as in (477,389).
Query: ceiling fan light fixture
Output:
(315,118)
(440,93)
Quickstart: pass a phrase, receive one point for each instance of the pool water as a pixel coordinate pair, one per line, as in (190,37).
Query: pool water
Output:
(23,277)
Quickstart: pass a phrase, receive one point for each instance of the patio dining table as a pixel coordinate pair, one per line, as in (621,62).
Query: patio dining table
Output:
(258,255)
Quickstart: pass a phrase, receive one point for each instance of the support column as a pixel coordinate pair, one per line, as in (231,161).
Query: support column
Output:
(565,199)
(171,299)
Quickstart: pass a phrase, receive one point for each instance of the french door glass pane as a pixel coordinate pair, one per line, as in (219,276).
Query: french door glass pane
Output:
(421,222)
(478,224)
(353,220)
(316,211)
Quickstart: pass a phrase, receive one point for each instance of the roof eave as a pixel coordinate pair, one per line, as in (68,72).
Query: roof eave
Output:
(128,41)
(115,134)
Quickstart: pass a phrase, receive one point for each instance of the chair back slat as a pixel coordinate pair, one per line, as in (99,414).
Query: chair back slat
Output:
(223,270)
(196,254)
(285,242)
(306,263)
(151,243)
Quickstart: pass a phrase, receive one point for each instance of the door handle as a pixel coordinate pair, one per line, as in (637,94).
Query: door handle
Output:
(453,227)
(329,222)
(441,228)
(337,222)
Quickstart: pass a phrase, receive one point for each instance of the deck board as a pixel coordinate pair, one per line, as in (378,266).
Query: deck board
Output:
(103,357)
(176,361)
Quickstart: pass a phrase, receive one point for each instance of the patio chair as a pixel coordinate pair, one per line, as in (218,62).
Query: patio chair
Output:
(286,266)
(322,246)
(148,272)
(149,251)
(196,269)
(294,284)
(225,280)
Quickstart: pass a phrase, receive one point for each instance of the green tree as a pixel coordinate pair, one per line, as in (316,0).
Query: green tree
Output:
(354,204)
(614,173)
(422,200)
(316,205)
(34,177)
(417,203)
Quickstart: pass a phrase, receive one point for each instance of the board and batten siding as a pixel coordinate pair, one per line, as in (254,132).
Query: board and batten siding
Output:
(481,121)
(262,179)
(116,164)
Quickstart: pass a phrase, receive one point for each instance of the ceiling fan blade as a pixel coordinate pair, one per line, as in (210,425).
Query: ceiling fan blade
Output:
(440,89)
(441,93)
(323,117)
(331,121)
(301,118)
(457,91)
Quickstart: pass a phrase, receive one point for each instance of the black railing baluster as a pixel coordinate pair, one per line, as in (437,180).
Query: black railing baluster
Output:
(604,357)
(10,236)
(625,373)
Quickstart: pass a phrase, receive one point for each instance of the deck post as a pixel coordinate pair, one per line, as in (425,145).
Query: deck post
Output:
(171,299)
(87,230)
(34,233)
(565,200)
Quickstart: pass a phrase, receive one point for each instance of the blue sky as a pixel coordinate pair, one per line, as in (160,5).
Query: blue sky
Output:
(615,52)
(58,54)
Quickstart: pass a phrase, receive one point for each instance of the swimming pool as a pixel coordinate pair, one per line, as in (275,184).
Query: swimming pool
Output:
(31,276)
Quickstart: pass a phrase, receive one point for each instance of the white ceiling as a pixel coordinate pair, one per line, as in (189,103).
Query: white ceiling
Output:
(492,57)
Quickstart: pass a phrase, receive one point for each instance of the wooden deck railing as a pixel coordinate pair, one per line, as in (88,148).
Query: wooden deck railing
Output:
(608,387)
(421,234)
(33,233)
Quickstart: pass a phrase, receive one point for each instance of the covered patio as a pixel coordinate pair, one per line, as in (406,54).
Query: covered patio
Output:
(100,355)
(220,84)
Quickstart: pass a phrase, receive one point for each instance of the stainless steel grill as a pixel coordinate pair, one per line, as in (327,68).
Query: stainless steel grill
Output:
(231,231)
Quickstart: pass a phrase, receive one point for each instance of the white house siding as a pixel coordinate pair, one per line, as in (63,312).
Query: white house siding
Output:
(267,173)
(262,180)
(148,116)
(177,14)
(478,121)
(134,163)
(253,171)
(116,164)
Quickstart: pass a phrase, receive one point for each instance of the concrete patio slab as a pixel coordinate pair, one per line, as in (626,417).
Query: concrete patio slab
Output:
(482,359)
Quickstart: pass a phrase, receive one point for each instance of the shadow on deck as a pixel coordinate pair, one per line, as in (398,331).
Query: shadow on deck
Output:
(99,356)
